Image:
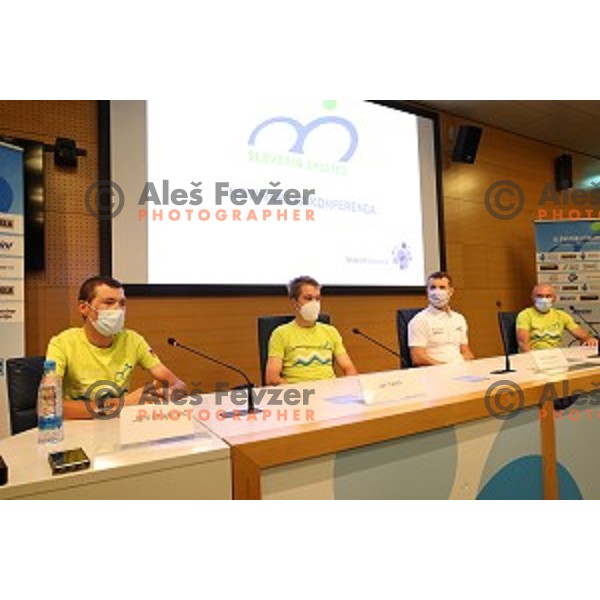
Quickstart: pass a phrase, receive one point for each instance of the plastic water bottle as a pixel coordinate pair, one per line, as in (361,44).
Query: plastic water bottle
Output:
(50,406)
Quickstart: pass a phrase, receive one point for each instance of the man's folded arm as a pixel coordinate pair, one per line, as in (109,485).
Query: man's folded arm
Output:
(524,339)
(273,371)
(346,365)
(420,358)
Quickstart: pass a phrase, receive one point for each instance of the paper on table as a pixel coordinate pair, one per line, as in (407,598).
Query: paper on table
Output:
(150,423)
(471,378)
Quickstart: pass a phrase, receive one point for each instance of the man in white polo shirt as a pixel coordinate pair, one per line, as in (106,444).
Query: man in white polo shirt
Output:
(438,334)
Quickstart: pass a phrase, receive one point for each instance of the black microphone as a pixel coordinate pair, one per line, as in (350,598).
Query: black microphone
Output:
(249,385)
(579,313)
(504,337)
(374,341)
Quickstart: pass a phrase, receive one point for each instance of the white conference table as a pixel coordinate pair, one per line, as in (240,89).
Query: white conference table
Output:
(451,399)
(341,400)
(196,467)
(315,455)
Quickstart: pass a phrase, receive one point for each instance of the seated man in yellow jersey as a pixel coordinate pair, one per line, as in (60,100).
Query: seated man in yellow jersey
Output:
(103,351)
(541,326)
(438,334)
(304,349)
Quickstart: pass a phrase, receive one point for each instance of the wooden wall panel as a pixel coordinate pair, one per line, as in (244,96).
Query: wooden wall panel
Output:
(493,259)
(226,328)
(490,259)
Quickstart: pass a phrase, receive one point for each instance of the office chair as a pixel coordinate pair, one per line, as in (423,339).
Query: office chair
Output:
(23,376)
(403,317)
(266,326)
(507,321)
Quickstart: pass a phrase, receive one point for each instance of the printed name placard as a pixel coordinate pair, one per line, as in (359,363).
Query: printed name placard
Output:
(390,386)
(551,360)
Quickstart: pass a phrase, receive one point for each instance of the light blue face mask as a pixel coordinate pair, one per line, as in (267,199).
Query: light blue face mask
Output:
(438,298)
(543,304)
(109,322)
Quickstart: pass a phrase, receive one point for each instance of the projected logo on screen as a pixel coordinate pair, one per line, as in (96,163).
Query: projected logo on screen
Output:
(6,195)
(401,256)
(303,131)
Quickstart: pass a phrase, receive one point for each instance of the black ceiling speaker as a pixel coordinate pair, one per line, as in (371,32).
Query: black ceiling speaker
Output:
(467,144)
(563,172)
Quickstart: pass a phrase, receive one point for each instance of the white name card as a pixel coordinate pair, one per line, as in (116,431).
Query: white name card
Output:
(390,386)
(153,422)
(550,361)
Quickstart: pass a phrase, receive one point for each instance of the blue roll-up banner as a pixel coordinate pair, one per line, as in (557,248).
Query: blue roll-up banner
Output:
(568,258)
(12,268)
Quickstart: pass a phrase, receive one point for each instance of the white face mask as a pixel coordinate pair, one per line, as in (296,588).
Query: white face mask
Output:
(438,298)
(310,311)
(109,322)
(543,304)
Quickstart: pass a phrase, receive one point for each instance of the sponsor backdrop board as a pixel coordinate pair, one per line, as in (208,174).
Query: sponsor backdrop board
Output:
(568,257)
(12,269)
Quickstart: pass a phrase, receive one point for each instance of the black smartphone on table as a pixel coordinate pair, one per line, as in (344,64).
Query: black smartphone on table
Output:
(66,461)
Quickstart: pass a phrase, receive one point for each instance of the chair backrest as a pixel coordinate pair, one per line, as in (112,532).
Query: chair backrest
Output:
(403,317)
(507,321)
(23,376)
(266,326)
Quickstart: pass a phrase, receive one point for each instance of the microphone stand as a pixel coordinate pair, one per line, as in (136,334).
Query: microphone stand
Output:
(374,341)
(249,385)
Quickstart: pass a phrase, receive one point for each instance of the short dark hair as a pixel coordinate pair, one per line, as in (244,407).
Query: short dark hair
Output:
(87,291)
(295,285)
(440,275)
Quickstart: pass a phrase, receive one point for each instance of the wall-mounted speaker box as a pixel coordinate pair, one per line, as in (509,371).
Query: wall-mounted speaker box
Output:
(467,144)
(65,153)
(563,172)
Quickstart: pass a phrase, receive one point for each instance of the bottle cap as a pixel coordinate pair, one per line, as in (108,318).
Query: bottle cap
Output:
(49,365)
